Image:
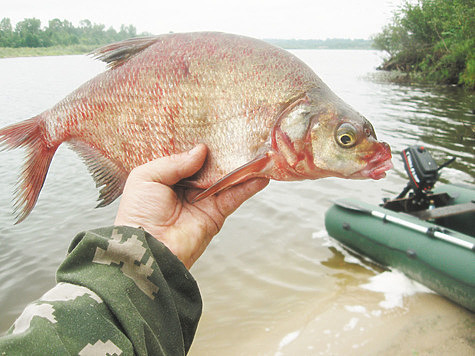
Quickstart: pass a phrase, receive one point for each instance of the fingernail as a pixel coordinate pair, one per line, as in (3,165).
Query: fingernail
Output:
(194,150)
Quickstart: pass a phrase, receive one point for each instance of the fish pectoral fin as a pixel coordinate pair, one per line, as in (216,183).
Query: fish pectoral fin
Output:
(106,173)
(252,169)
(118,53)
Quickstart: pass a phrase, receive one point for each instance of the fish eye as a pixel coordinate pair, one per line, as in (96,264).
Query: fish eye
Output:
(346,135)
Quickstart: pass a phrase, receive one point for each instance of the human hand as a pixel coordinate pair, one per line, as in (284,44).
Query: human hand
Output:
(150,201)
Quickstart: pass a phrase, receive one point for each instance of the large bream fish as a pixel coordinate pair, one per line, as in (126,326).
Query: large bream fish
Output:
(260,110)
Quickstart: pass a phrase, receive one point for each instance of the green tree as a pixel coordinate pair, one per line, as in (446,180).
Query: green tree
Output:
(127,31)
(6,33)
(433,40)
(29,33)
(61,33)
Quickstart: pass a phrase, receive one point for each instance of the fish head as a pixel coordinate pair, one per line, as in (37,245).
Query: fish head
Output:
(321,136)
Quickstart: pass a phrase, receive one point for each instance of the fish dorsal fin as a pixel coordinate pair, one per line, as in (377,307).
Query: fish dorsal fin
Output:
(106,173)
(255,168)
(118,53)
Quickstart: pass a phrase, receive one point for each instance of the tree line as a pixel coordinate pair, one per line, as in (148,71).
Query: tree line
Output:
(432,40)
(329,43)
(29,33)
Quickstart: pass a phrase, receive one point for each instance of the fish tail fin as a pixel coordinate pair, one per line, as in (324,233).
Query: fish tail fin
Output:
(28,134)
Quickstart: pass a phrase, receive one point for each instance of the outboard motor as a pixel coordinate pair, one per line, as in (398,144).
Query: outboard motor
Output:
(437,208)
(423,173)
(421,168)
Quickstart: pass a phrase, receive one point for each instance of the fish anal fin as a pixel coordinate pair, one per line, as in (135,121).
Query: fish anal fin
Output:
(118,53)
(255,168)
(106,173)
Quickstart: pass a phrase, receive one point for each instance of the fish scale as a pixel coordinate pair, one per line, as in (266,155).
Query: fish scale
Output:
(165,94)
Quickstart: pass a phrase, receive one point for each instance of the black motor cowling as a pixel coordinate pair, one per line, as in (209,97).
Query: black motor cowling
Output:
(423,173)
(421,168)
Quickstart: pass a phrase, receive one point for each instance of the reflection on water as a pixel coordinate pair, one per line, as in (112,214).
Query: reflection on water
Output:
(355,264)
(442,120)
(271,282)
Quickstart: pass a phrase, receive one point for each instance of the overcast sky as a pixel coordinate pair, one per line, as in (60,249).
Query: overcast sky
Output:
(306,19)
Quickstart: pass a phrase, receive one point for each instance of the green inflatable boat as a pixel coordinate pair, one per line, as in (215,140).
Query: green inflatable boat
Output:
(429,236)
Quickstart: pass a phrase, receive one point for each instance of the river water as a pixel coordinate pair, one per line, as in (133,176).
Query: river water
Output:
(273,281)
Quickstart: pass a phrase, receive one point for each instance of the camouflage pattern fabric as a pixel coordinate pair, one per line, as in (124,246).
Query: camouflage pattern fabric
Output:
(119,292)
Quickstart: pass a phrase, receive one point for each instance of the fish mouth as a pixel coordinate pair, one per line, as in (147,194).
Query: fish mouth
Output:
(377,163)
(379,171)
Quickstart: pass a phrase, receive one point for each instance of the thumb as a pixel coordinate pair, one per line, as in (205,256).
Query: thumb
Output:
(171,169)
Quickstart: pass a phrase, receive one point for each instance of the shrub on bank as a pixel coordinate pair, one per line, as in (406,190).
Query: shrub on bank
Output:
(433,41)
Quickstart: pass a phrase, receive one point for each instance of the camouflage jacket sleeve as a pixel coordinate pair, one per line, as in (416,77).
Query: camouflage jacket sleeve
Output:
(119,292)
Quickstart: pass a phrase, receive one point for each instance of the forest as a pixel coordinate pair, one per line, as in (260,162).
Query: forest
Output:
(432,41)
(329,43)
(30,33)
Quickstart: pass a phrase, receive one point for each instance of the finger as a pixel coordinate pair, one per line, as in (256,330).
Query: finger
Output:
(171,169)
(230,199)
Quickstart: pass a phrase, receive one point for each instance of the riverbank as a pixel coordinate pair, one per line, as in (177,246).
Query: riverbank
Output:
(432,41)
(397,76)
(10,52)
